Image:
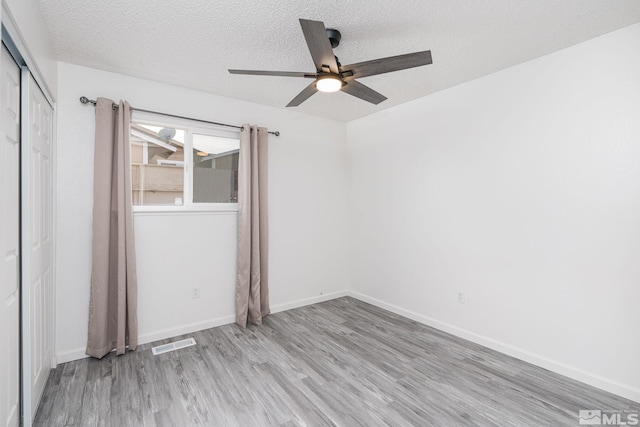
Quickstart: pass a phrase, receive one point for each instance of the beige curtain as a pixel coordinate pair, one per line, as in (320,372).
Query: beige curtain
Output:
(113,320)
(252,287)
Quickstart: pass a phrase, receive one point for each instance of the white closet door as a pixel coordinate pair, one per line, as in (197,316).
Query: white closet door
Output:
(36,237)
(9,241)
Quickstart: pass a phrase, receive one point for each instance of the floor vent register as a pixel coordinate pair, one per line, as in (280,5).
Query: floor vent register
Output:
(172,346)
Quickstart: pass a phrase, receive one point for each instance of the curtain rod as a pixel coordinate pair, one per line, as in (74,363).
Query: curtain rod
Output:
(86,100)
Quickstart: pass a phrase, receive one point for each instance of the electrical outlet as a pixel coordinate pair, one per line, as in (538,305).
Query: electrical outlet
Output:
(195,293)
(461,297)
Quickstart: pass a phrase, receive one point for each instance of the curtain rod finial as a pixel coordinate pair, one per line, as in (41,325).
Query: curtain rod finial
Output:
(86,100)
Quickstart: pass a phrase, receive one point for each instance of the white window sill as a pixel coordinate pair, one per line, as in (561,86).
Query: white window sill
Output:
(214,208)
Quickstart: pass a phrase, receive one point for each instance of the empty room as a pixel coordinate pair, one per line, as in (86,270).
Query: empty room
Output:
(284,213)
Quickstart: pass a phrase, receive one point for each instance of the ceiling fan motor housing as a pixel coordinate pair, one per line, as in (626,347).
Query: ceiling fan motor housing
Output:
(334,37)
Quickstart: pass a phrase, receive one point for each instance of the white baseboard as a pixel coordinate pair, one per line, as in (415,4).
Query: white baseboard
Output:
(79,353)
(70,355)
(163,334)
(226,320)
(624,390)
(308,301)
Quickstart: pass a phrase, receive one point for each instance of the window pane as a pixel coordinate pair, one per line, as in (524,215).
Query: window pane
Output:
(157,165)
(215,169)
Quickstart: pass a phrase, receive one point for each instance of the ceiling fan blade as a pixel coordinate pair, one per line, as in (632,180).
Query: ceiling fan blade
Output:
(319,45)
(304,95)
(386,65)
(274,73)
(357,89)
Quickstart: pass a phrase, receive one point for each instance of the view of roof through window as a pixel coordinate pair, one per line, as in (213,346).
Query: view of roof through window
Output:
(202,143)
(179,133)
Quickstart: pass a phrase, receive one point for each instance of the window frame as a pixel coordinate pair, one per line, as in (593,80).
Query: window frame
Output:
(190,127)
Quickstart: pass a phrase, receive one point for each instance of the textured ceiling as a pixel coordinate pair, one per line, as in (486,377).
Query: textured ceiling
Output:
(191,43)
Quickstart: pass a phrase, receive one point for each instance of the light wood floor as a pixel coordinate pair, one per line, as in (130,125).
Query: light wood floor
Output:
(341,362)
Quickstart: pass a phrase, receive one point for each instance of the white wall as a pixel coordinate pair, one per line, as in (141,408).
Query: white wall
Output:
(521,189)
(308,198)
(25,17)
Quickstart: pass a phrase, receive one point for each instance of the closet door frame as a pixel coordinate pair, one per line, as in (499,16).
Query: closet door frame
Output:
(18,48)
(36,242)
(10,265)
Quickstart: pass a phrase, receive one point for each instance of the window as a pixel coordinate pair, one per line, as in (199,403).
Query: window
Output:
(177,162)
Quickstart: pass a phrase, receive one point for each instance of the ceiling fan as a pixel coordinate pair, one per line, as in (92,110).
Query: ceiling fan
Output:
(331,76)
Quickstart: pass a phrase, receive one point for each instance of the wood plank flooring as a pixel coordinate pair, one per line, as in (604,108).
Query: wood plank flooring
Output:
(337,363)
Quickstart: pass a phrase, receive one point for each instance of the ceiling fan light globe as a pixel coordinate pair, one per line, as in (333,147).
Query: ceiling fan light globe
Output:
(329,84)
